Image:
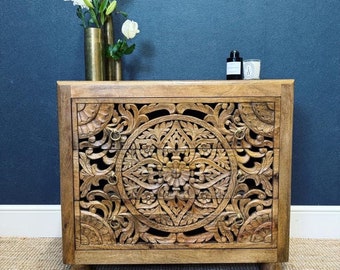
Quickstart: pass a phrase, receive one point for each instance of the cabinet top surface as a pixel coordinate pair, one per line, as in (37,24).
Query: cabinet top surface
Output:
(180,82)
(188,89)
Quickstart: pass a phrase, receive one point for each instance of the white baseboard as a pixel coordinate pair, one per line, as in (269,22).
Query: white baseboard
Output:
(44,221)
(315,222)
(30,220)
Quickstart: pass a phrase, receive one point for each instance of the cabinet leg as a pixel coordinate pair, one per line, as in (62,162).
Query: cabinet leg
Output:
(80,267)
(270,266)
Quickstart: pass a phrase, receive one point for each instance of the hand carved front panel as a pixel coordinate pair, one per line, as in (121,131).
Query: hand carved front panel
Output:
(170,174)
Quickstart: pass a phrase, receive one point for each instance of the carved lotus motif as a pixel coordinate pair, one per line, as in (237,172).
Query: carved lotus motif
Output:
(176,174)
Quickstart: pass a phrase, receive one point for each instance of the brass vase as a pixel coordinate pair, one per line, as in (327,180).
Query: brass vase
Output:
(110,72)
(118,70)
(94,54)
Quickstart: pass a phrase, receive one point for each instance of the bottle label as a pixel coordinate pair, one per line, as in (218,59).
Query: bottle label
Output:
(233,68)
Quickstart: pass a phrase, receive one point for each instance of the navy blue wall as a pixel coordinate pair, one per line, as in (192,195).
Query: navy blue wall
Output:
(42,42)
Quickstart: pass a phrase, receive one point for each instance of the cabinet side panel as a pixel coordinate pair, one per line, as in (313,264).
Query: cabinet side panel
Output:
(285,170)
(66,172)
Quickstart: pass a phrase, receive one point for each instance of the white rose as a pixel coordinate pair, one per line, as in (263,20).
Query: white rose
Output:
(78,3)
(130,29)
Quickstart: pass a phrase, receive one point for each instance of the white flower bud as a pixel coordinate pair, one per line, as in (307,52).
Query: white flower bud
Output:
(130,29)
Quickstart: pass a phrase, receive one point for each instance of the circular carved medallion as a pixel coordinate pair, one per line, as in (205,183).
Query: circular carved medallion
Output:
(176,173)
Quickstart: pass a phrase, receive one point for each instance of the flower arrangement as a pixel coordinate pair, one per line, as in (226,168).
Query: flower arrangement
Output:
(94,13)
(117,50)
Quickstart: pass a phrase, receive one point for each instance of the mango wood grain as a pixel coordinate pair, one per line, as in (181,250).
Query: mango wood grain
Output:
(178,172)
(287,101)
(66,172)
(172,89)
(177,256)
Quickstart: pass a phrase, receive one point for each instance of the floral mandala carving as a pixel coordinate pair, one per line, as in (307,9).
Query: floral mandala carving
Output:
(176,183)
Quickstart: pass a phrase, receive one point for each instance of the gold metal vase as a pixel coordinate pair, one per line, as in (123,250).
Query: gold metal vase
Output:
(94,54)
(118,70)
(110,72)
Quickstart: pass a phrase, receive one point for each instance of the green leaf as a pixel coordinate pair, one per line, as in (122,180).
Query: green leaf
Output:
(95,4)
(102,18)
(117,50)
(124,14)
(103,6)
(94,18)
(79,12)
(130,49)
(81,16)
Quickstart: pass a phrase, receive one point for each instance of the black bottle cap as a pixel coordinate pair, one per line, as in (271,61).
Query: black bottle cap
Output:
(234,54)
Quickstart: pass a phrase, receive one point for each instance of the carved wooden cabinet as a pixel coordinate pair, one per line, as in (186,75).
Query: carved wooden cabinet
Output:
(175,172)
